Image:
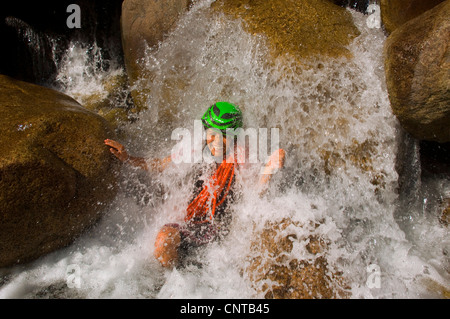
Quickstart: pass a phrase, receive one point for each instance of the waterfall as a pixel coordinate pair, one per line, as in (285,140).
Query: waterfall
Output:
(40,50)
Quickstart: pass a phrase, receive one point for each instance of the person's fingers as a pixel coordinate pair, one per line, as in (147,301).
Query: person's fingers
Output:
(108,141)
(114,144)
(276,159)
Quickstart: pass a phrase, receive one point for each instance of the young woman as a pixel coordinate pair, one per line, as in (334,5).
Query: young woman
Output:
(207,216)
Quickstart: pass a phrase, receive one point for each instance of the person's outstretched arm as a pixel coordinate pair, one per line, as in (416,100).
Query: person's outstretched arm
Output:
(121,153)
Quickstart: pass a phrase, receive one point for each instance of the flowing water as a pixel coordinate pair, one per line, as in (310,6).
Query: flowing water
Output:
(342,144)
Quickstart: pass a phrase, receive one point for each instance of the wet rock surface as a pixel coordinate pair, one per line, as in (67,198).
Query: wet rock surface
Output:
(394,13)
(56,175)
(301,28)
(417,70)
(279,275)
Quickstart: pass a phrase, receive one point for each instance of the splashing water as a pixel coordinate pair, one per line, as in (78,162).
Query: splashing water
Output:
(341,140)
(89,78)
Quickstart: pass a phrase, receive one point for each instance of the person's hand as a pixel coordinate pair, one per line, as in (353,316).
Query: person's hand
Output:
(276,162)
(118,150)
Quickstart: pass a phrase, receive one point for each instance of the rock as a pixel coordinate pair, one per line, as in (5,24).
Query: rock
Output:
(303,28)
(435,287)
(144,23)
(394,13)
(417,66)
(444,218)
(435,159)
(56,175)
(356,155)
(292,277)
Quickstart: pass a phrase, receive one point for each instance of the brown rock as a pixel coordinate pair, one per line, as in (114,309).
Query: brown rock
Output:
(417,66)
(111,101)
(56,175)
(394,13)
(292,277)
(302,28)
(444,218)
(436,287)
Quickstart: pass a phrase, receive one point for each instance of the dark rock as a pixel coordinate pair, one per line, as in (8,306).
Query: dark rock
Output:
(358,5)
(417,66)
(35,35)
(394,13)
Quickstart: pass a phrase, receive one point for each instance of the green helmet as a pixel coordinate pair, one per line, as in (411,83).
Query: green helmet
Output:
(223,116)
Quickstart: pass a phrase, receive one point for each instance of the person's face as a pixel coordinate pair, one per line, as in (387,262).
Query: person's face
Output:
(216,142)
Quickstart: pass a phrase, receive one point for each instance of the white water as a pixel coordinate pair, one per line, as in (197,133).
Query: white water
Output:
(326,106)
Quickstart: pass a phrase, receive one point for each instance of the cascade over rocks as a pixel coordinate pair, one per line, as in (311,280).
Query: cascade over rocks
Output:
(304,30)
(144,23)
(35,34)
(417,70)
(56,175)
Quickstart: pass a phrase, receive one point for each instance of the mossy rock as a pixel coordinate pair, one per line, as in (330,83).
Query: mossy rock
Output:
(56,175)
(301,28)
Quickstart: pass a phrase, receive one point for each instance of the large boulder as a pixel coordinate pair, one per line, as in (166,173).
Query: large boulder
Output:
(144,23)
(417,66)
(302,28)
(279,273)
(394,13)
(56,175)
